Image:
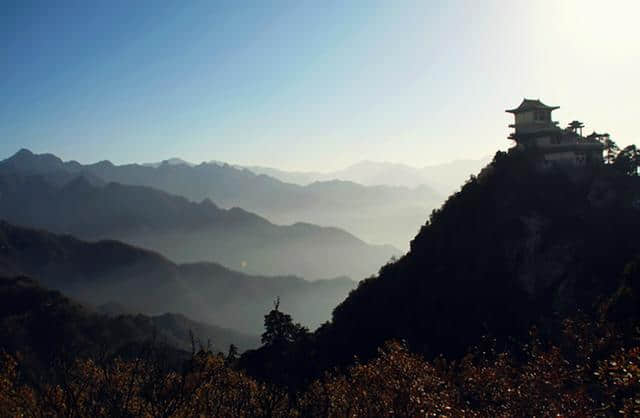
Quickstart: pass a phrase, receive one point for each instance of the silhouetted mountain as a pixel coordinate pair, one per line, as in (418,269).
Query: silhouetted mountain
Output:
(144,281)
(381,214)
(43,324)
(514,247)
(184,231)
(26,163)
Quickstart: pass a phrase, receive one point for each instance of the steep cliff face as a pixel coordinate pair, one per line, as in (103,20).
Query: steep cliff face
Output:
(513,247)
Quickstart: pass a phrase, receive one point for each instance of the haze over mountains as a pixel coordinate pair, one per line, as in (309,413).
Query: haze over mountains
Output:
(110,272)
(44,192)
(443,178)
(378,214)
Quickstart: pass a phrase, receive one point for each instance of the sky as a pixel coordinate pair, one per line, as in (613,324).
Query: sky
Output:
(307,85)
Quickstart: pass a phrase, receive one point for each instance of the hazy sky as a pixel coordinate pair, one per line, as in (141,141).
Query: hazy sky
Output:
(307,85)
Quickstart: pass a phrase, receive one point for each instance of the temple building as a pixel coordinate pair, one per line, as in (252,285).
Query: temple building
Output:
(535,132)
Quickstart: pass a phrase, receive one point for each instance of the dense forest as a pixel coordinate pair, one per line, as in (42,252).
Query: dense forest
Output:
(520,296)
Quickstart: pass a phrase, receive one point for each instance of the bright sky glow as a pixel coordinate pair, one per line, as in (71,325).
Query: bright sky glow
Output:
(307,85)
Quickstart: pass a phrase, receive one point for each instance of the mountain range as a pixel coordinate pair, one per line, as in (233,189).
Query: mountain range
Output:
(117,274)
(377,214)
(41,191)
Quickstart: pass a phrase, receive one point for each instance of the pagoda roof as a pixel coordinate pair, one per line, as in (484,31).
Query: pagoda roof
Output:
(531,104)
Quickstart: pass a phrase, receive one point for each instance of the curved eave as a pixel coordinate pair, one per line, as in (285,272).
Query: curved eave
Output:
(527,108)
(531,104)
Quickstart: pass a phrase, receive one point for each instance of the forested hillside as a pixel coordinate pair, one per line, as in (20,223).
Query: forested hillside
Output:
(514,247)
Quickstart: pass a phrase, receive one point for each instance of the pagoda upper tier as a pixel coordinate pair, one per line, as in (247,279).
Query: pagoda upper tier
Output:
(532,118)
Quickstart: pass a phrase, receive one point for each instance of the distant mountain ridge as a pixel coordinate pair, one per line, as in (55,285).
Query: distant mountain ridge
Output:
(377,214)
(80,203)
(144,281)
(444,178)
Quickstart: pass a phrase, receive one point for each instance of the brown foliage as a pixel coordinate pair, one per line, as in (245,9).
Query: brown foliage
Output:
(589,373)
(396,383)
(139,388)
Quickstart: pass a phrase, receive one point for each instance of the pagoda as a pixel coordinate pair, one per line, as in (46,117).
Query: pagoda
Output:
(536,133)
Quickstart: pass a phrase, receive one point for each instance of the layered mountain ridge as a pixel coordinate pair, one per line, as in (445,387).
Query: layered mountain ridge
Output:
(41,191)
(104,272)
(377,214)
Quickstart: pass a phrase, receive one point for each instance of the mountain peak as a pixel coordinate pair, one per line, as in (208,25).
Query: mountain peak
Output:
(27,161)
(103,164)
(23,152)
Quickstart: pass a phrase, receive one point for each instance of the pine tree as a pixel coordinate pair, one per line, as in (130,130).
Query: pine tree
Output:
(280,328)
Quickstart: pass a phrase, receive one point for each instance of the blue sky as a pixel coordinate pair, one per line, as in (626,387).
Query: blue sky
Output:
(307,85)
